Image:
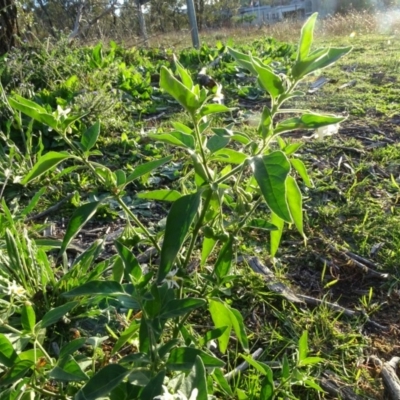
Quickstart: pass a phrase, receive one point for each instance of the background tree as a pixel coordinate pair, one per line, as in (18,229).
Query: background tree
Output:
(8,25)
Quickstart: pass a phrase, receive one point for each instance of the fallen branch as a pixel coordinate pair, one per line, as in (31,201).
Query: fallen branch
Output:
(390,379)
(243,366)
(332,384)
(51,209)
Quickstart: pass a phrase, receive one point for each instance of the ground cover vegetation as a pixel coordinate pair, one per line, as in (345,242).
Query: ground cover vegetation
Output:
(146,251)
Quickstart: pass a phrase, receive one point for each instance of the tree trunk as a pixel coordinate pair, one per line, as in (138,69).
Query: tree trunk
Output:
(8,25)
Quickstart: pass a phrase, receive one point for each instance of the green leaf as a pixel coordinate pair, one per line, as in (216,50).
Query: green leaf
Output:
(303,346)
(144,339)
(307,121)
(208,109)
(216,142)
(267,388)
(90,136)
(105,288)
(276,235)
(179,219)
(220,379)
(8,356)
(310,361)
(178,139)
(317,60)
(45,163)
(196,379)
(225,316)
(161,195)
(262,368)
(268,80)
(154,387)
(145,168)
(131,264)
(230,156)
(79,218)
(71,347)
(68,370)
(178,307)
(295,202)
(18,370)
(54,315)
(224,260)
(102,382)
(125,336)
(184,358)
(243,60)
(184,74)
(33,110)
(211,335)
(239,328)
(184,96)
(259,223)
(28,317)
(306,38)
(301,169)
(270,172)
(207,248)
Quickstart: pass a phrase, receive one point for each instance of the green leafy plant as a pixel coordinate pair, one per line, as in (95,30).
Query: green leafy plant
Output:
(235,181)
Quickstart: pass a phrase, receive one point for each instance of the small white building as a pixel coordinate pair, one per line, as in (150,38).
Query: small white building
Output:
(267,14)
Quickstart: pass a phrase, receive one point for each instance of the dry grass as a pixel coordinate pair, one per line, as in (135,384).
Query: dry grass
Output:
(353,23)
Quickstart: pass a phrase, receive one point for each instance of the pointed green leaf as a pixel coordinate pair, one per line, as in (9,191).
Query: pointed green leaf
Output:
(106,288)
(131,264)
(319,59)
(179,219)
(79,218)
(208,109)
(306,38)
(90,136)
(224,260)
(154,387)
(310,361)
(178,307)
(33,110)
(45,163)
(184,96)
(259,223)
(307,121)
(161,195)
(68,370)
(145,168)
(184,358)
(243,60)
(216,142)
(196,380)
(301,169)
(125,336)
(269,81)
(16,372)
(303,346)
(102,383)
(270,172)
(229,156)
(172,139)
(276,235)
(239,328)
(54,315)
(207,248)
(295,202)
(28,317)
(71,347)
(8,355)
(184,74)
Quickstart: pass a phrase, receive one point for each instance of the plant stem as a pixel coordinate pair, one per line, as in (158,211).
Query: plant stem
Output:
(197,227)
(203,156)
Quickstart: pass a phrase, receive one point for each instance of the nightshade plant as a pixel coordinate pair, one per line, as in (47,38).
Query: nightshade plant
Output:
(229,175)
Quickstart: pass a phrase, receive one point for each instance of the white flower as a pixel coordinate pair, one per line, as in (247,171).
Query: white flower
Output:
(171,279)
(328,130)
(15,290)
(178,396)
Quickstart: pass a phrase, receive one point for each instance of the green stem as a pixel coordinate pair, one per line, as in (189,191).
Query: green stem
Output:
(229,174)
(203,156)
(44,352)
(119,200)
(197,228)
